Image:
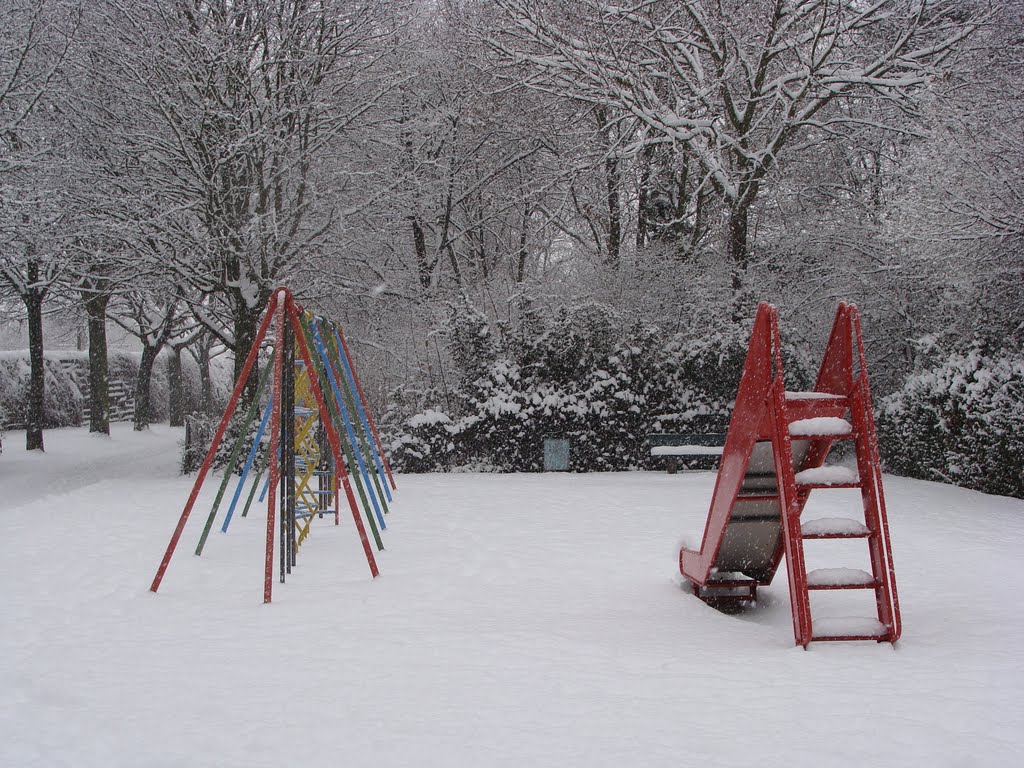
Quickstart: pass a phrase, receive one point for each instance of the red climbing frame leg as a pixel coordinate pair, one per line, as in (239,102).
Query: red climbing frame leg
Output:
(366,407)
(218,436)
(332,435)
(275,444)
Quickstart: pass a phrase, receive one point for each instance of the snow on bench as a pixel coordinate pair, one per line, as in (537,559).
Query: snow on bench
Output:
(834,526)
(833,577)
(697,449)
(822,425)
(828,475)
(848,626)
(686,450)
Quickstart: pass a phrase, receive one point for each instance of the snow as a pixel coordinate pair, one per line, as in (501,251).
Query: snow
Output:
(822,425)
(519,620)
(428,418)
(845,626)
(827,475)
(836,526)
(830,577)
(686,450)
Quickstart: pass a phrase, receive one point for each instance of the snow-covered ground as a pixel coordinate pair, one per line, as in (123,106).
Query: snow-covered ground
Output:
(521,621)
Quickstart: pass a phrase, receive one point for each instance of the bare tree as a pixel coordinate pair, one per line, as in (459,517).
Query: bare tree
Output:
(237,105)
(736,83)
(34,42)
(154,320)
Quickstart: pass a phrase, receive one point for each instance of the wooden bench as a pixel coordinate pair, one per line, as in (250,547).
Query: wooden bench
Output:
(701,451)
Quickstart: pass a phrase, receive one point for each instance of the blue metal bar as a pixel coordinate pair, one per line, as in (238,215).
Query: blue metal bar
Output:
(266,483)
(353,441)
(347,365)
(248,465)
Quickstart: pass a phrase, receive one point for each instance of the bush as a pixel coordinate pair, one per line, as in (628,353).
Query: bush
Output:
(960,421)
(424,445)
(62,403)
(589,374)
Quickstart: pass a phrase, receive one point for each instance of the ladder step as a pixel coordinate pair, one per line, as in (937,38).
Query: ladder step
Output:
(840,578)
(728,579)
(834,528)
(849,628)
(821,426)
(824,396)
(810,405)
(828,477)
(727,586)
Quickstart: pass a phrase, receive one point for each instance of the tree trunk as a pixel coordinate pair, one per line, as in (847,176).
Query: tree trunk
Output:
(424,266)
(37,382)
(143,388)
(523,251)
(176,388)
(205,379)
(613,182)
(247,322)
(613,178)
(738,255)
(643,199)
(99,368)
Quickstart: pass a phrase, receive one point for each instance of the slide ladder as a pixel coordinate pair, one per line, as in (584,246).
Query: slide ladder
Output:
(775,455)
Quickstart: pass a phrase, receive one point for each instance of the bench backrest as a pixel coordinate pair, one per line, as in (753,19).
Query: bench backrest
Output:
(703,438)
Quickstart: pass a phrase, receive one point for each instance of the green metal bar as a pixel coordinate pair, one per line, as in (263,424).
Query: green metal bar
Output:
(261,467)
(236,452)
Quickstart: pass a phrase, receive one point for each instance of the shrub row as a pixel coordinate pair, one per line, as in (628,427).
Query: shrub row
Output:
(588,374)
(960,421)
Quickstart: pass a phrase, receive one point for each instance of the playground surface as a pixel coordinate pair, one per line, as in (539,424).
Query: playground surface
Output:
(519,620)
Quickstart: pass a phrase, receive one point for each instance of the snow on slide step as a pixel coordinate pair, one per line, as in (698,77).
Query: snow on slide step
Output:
(834,527)
(822,425)
(839,578)
(828,475)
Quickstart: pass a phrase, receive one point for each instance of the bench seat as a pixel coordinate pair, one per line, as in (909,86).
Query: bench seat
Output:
(702,449)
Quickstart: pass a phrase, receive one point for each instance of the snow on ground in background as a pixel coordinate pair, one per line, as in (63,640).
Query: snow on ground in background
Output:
(520,620)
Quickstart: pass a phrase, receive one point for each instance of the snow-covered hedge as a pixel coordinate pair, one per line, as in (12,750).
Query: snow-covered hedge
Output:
(66,387)
(588,374)
(62,405)
(960,421)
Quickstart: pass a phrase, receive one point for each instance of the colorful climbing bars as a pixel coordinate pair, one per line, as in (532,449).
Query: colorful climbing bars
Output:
(314,439)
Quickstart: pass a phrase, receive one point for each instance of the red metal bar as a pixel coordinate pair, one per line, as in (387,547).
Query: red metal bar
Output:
(791,508)
(218,436)
(836,372)
(366,407)
(332,435)
(889,572)
(275,442)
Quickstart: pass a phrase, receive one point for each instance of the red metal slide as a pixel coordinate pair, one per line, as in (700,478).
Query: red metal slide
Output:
(775,455)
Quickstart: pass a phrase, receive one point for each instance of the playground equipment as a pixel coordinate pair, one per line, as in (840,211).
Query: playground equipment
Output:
(318,431)
(774,456)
